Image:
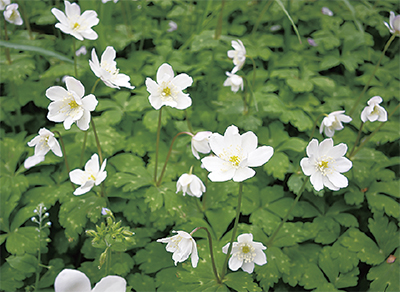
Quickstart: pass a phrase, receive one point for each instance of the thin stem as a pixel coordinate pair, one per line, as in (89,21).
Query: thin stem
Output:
(26,20)
(188,121)
(65,154)
(271,239)
(218,29)
(39,256)
(97,140)
(75,61)
(254,71)
(6,50)
(157,144)
(158,183)
(265,9)
(373,73)
(315,126)
(233,231)
(94,85)
(357,139)
(83,147)
(108,261)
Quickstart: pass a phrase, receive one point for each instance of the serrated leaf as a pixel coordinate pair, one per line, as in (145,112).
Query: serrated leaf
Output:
(141,282)
(220,219)
(153,258)
(385,277)
(278,165)
(385,233)
(130,182)
(23,240)
(26,263)
(241,281)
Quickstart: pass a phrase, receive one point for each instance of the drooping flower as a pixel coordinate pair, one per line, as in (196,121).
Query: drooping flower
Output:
(245,253)
(12,15)
(107,70)
(68,106)
(92,175)
(168,89)
(333,122)
(69,280)
(234,81)
(235,154)
(81,51)
(3,4)
(394,23)
(326,11)
(374,112)
(325,163)
(43,144)
(182,246)
(73,23)
(238,55)
(172,26)
(190,184)
(200,143)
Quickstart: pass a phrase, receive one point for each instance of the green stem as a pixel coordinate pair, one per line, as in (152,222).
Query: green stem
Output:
(108,261)
(315,126)
(218,29)
(97,140)
(357,139)
(265,9)
(75,61)
(83,148)
(94,85)
(6,50)
(254,71)
(26,20)
(224,267)
(157,144)
(271,239)
(373,73)
(188,121)
(64,154)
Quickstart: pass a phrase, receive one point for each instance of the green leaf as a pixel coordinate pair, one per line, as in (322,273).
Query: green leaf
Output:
(385,277)
(23,240)
(153,258)
(11,279)
(18,70)
(47,280)
(131,182)
(278,165)
(26,263)
(381,202)
(205,40)
(121,263)
(385,233)
(294,144)
(241,281)
(141,282)
(220,219)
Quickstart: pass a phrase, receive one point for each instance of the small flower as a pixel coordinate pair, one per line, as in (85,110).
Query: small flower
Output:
(75,24)
(172,26)
(235,155)
(168,89)
(81,51)
(325,163)
(43,144)
(333,122)
(234,81)
(245,253)
(11,14)
(182,246)
(326,11)
(69,280)
(311,42)
(105,211)
(238,55)
(374,112)
(68,106)
(107,70)
(275,27)
(93,175)
(190,184)
(3,4)
(394,23)
(200,143)
(105,1)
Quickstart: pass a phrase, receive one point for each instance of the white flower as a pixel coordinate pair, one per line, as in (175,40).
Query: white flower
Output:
(200,143)
(68,106)
(182,246)
(105,1)
(190,184)
(168,89)
(326,11)
(245,253)
(81,51)
(69,280)
(333,122)
(374,112)
(43,144)
(394,23)
(93,175)
(107,70)
(73,23)
(325,163)
(172,26)
(275,27)
(4,3)
(238,55)
(234,81)
(235,154)
(11,14)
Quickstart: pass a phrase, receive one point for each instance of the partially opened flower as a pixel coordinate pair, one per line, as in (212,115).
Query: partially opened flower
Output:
(325,163)
(182,246)
(190,184)
(394,23)
(200,143)
(333,122)
(81,51)
(75,24)
(235,154)
(168,89)
(92,175)
(107,70)
(245,253)
(43,144)
(69,280)
(238,55)
(69,106)
(234,81)
(12,15)
(3,4)
(172,26)
(374,112)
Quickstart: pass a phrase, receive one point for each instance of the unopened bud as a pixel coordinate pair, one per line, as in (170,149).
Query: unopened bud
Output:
(103,258)
(33,219)
(109,221)
(128,233)
(91,232)
(46,215)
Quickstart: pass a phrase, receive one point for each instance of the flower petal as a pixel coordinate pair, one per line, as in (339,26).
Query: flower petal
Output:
(33,160)
(77,176)
(69,280)
(243,173)
(164,73)
(183,101)
(217,176)
(316,180)
(235,263)
(245,237)
(248,267)
(312,148)
(75,85)
(260,156)
(56,93)
(338,151)
(337,179)
(325,147)
(89,102)
(111,283)
(249,142)
(182,81)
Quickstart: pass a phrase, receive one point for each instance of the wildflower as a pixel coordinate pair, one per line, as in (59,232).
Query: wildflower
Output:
(311,42)
(11,14)
(43,144)
(333,122)
(69,280)
(68,106)
(93,175)
(325,163)
(181,245)
(245,253)
(172,26)
(75,24)
(234,81)
(200,143)
(168,89)
(81,51)
(190,184)
(326,11)
(275,27)
(105,1)
(235,155)
(238,55)
(394,23)
(374,112)
(107,71)
(3,4)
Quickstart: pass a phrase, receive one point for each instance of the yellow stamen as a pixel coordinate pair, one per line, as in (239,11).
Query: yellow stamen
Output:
(76,25)
(235,160)
(323,164)
(245,249)
(73,104)
(166,91)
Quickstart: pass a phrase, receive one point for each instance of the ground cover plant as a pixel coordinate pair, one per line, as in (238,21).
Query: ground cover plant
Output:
(200,145)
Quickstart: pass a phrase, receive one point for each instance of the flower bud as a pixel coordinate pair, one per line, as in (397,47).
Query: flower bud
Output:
(91,232)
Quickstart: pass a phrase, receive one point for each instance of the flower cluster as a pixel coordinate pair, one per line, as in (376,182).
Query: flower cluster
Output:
(238,55)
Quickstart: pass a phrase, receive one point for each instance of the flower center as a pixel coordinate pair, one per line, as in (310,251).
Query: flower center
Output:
(245,253)
(324,165)
(166,91)
(235,160)
(375,111)
(91,177)
(73,104)
(76,26)
(245,249)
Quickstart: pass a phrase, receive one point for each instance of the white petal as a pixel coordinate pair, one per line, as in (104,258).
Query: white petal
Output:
(152,86)
(307,166)
(108,55)
(364,114)
(260,156)
(218,176)
(83,122)
(342,164)
(183,101)
(245,237)
(90,18)
(72,9)
(60,16)
(243,173)
(260,258)
(77,176)
(312,148)
(182,81)
(326,182)
(316,180)
(339,180)
(72,281)
(213,163)
(84,188)
(75,85)
(248,267)
(55,146)
(375,100)
(164,73)
(33,160)
(110,283)
(235,263)
(93,164)
(338,151)
(195,257)
(155,101)
(225,248)
(89,102)
(249,142)
(89,34)
(56,93)
(325,147)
